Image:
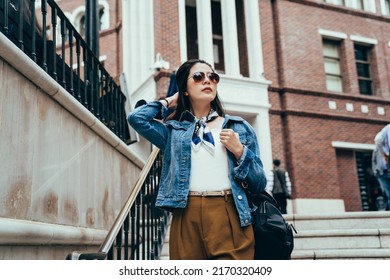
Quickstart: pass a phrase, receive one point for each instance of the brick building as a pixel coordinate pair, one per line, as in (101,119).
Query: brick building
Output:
(328,64)
(311,76)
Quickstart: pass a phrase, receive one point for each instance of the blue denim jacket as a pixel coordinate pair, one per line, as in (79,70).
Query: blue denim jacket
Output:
(174,138)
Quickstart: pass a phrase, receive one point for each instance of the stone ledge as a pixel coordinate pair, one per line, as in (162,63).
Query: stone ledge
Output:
(22,232)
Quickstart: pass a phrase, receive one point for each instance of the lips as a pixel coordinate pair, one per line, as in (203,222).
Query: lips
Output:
(207,89)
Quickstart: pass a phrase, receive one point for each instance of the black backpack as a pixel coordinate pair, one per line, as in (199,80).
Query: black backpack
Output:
(274,238)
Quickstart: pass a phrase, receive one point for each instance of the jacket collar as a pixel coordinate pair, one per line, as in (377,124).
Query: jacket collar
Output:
(187,116)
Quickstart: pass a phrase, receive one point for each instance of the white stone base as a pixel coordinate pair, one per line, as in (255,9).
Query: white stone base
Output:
(313,206)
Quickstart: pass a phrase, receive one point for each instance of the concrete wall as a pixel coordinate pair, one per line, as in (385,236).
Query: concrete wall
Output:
(63,175)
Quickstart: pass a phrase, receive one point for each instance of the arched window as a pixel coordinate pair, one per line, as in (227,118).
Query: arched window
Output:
(80,17)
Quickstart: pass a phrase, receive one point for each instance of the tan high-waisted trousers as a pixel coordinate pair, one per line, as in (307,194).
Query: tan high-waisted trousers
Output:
(209,228)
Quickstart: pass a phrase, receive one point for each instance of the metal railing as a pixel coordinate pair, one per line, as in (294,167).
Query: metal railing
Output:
(138,231)
(50,40)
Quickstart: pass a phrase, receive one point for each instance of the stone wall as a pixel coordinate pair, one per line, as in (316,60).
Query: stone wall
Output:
(64,176)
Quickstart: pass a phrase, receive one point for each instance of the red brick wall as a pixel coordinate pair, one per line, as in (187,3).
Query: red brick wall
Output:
(348,180)
(166,33)
(303,126)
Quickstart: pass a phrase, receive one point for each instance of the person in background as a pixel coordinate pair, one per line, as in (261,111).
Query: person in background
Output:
(209,157)
(380,161)
(279,185)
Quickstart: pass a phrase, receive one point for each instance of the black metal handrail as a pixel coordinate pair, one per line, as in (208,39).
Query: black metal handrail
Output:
(138,231)
(51,41)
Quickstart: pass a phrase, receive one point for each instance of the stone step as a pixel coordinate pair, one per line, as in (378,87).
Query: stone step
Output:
(348,220)
(376,254)
(342,239)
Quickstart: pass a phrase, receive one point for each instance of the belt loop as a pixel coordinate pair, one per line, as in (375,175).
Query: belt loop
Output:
(226,196)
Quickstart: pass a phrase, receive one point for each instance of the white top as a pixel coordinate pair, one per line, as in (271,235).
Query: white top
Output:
(210,172)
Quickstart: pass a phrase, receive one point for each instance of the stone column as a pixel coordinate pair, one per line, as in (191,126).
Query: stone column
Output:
(230,38)
(205,30)
(253,35)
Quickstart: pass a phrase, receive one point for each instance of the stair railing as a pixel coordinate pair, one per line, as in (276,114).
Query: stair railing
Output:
(138,231)
(46,35)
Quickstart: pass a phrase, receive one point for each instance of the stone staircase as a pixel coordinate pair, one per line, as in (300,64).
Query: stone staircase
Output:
(349,235)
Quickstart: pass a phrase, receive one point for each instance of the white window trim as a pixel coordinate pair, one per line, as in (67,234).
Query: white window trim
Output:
(332,34)
(363,40)
(352,146)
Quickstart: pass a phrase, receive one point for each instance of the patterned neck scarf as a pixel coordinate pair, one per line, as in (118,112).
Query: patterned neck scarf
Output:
(202,133)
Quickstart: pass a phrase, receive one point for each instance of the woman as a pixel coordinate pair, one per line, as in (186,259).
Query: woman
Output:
(208,158)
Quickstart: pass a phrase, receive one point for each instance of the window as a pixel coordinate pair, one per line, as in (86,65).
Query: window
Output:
(82,25)
(362,57)
(192,32)
(365,5)
(79,17)
(336,2)
(354,4)
(332,65)
(385,7)
(216,15)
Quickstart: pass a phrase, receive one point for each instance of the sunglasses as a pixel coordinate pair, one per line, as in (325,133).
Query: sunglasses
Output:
(201,76)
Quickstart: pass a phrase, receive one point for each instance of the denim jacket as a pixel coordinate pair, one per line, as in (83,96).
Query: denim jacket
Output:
(174,139)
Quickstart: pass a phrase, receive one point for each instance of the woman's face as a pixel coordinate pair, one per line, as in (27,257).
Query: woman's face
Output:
(203,91)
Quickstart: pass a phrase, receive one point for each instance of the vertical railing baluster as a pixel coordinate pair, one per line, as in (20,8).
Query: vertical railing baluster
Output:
(21,25)
(137,228)
(111,96)
(91,82)
(149,202)
(116,111)
(5,18)
(121,116)
(97,83)
(86,78)
(71,73)
(44,41)
(118,245)
(33,31)
(103,104)
(126,236)
(54,37)
(143,216)
(152,215)
(153,231)
(133,237)
(78,69)
(63,53)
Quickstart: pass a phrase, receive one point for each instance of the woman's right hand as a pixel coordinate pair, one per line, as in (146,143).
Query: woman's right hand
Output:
(173,100)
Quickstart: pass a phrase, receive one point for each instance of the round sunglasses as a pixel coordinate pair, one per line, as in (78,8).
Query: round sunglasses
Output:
(201,76)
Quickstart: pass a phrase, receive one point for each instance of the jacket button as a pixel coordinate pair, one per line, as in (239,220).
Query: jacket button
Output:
(239,197)
(246,221)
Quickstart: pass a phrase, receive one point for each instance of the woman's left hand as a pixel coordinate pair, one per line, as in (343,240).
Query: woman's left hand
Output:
(232,142)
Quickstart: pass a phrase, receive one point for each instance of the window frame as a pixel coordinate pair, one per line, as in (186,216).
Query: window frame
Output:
(338,59)
(368,63)
(360,5)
